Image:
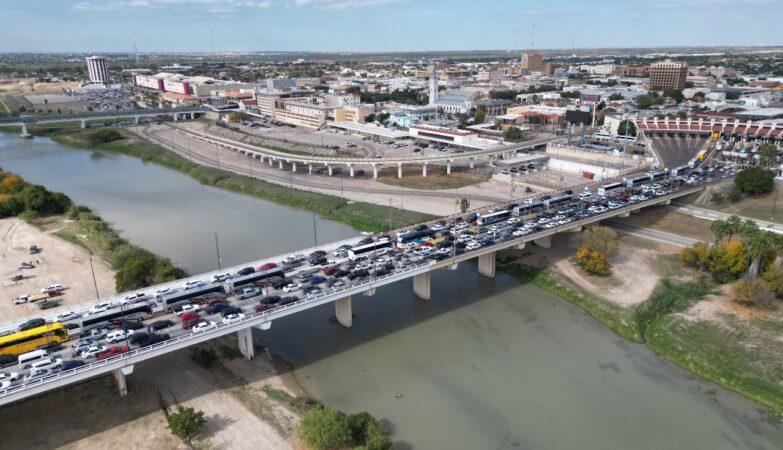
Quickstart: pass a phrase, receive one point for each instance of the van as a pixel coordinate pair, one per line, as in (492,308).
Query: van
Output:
(52,288)
(48,363)
(27,359)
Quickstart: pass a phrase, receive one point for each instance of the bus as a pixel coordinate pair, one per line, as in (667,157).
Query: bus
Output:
(171,300)
(27,341)
(527,208)
(256,276)
(415,235)
(657,176)
(611,188)
(635,182)
(368,249)
(494,217)
(554,201)
(136,311)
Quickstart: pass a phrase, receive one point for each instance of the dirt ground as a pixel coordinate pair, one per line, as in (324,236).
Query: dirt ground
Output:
(58,262)
(239,415)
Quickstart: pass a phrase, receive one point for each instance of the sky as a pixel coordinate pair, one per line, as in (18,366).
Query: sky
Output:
(381,25)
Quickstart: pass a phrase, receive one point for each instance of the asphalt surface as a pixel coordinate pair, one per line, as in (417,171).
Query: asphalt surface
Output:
(649,233)
(677,151)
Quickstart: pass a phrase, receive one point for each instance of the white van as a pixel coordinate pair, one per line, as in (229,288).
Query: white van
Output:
(27,359)
(47,363)
(52,287)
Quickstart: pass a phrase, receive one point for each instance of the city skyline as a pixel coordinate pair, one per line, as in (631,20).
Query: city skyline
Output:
(379,25)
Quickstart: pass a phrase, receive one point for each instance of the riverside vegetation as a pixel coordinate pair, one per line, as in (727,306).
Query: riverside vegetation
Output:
(359,215)
(135,267)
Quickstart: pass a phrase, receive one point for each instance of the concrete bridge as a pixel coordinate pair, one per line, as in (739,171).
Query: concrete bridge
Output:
(280,158)
(25,120)
(420,270)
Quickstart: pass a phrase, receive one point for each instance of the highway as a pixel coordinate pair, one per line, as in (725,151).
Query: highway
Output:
(654,235)
(98,115)
(448,242)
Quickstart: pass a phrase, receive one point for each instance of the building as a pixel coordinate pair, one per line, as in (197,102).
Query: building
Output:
(494,107)
(96,69)
(281,84)
(407,115)
(433,85)
(442,134)
(309,112)
(545,115)
(197,86)
(355,114)
(454,102)
(632,71)
(668,74)
(532,61)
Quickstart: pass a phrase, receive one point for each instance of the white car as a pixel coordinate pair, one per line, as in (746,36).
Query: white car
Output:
(203,326)
(247,292)
(52,287)
(293,259)
(9,376)
(473,245)
(188,308)
(117,336)
(231,318)
(97,334)
(519,233)
(36,375)
(99,308)
(5,384)
(293,287)
(93,350)
(66,316)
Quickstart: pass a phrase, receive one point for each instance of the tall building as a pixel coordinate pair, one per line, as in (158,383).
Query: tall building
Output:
(434,85)
(96,69)
(532,61)
(668,74)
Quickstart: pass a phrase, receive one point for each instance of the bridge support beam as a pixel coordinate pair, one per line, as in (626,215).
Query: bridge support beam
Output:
(280,164)
(520,246)
(369,292)
(24,130)
(668,201)
(192,116)
(245,342)
(399,170)
(424,170)
(83,124)
(625,214)
(544,242)
(175,116)
(329,168)
(350,170)
(421,285)
(135,120)
(448,168)
(486,264)
(310,169)
(122,382)
(293,166)
(374,171)
(472,163)
(576,229)
(343,312)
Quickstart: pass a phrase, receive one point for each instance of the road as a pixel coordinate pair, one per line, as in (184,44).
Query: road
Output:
(711,215)
(649,233)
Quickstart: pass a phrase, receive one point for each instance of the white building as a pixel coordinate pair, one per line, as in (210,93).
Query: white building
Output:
(96,69)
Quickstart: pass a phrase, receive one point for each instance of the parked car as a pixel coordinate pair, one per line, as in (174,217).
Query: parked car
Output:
(92,351)
(52,288)
(32,323)
(114,350)
(155,339)
(72,364)
(159,325)
(33,250)
(48,304)
(204,325)
(231,318)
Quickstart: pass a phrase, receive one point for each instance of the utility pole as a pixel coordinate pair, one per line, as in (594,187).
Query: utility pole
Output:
(94,281)
(217,250)
(315,232)
(390,213)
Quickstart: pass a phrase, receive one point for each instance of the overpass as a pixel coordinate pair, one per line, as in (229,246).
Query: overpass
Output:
(705,127)
(83,118)
(419,270)
(279,158)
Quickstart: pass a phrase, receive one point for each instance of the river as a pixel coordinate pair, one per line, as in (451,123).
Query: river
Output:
(485,364)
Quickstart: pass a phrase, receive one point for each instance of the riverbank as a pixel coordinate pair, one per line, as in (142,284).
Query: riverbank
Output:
(737,348)
(359,215)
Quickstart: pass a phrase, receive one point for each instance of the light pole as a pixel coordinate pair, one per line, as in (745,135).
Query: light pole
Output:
(217,250)
(94,281)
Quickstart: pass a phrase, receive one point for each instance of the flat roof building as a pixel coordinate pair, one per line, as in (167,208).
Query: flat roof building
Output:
(668,74)
(96,69)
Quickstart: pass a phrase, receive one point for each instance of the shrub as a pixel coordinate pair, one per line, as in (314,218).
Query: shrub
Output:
(104,136)
(324,429)
(754,291)
(668,298)
(592,262)
(601,239)
(755,180)
(185,423)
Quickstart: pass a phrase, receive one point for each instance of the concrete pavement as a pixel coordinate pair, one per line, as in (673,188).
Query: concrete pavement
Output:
(712,215)
(654,235)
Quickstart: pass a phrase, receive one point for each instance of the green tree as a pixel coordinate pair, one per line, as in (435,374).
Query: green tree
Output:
(185,423)
(323,428)
(513,134)
(480,115)
(369,118)
(462,120)
(676,94)
(629,131)
(755,180)
(464,204)
(644,101)
(136,273)
(601,239)
(616,97)
(768,155)
(720,229)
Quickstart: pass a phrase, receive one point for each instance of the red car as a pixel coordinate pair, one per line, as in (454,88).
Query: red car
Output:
(263,307)
(329,271)
(190,323)
(111,351)
(268,266)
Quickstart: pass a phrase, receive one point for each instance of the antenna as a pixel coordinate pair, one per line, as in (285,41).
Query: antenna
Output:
(533,36)
(136,51)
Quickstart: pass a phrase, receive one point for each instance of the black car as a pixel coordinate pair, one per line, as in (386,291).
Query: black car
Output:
(358,274)
(280,284)
(50,347)
(367,240)
(318,260)
(7,360)
(270,300)
(231,310)
(71,325)
(246,271)
(340,273)
(287,300)
(217,307)
(131,326)
(155,339)
(71,364)
(382,271)
(32,323)
(159,325)
(139,338)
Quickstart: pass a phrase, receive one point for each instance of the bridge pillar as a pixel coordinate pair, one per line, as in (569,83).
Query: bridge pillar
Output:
(472,162)
(369,292)
(421,285)
(452,267)
(271,161)
(175,116)
(280,164)
(135,120)
(575,229)
(343,312)
(424,170)
(24,130)
(486,264)
(192,116)
(293,166)
(544,242)
(310,169)
(83,124)
(399,170)
(245,342)
(350,170)
(668,201)
(374,171)
(329,168)
(520,246)
(448,168)
(119,378)
(625,214)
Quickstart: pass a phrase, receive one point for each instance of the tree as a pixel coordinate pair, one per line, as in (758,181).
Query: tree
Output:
(513,134)
(462,120)
(369,118)
(755,180)
(238,116)
(480,115)
(768,155)
(592,262)
(676,94)
(753,291)
(185,423)
(629,131)
(464,204)
(601,239)
(718,198)
(728,260)
(616,96)
(137,272)
(644,101)
(698,255)
(774,278)
(720,229)
(323,428)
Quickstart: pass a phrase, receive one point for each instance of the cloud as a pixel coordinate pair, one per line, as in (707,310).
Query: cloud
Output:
(210,6)
(344,4)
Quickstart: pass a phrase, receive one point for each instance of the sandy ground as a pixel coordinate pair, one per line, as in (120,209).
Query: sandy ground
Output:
(58,262)
(106,420)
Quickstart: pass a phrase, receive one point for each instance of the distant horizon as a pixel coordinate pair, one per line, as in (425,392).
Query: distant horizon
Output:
(380,26)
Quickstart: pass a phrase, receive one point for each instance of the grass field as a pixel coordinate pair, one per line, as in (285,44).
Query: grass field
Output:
(436,178)
(661,219)
(360,215)
(767,207)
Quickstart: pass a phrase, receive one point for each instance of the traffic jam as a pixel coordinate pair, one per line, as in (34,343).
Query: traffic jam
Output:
(38,349)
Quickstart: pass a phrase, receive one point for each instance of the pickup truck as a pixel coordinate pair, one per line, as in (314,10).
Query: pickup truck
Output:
(31,298)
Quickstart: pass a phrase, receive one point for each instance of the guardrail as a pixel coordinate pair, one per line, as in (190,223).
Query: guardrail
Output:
(99,115)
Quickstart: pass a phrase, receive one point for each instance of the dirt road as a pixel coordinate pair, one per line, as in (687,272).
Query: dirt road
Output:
(58,262)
